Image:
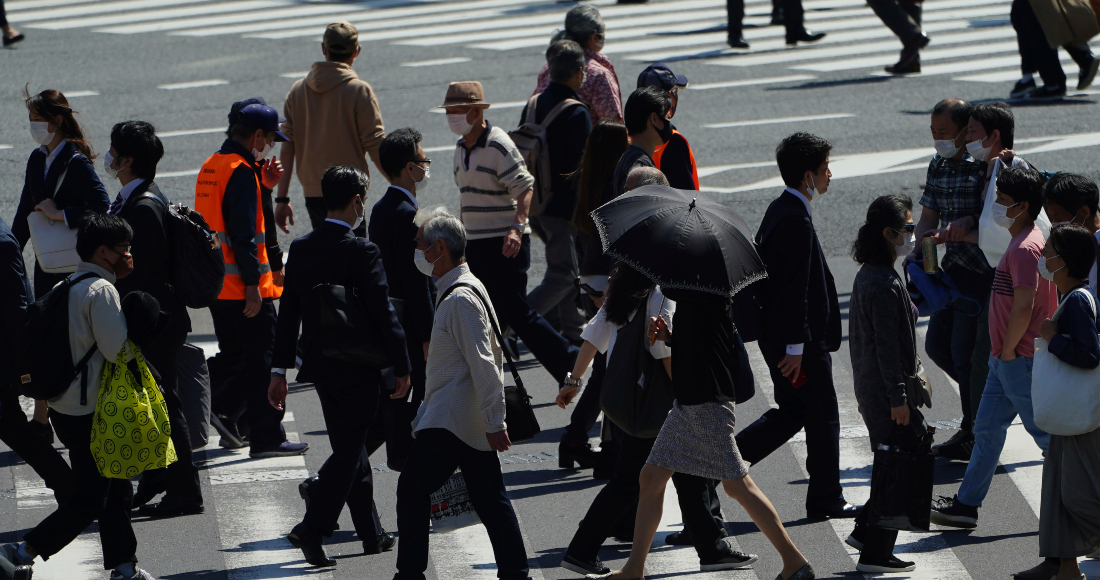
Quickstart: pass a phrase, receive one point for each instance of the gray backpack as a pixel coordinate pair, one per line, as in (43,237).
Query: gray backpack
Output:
(530,139)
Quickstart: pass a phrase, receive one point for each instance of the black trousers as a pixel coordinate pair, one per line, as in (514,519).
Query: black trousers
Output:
(1035,52)
(792,16)
(32,448)
(345,478)
(392,424)
(620,495)
(315,207)
(735,14)
(587,410)
(180,479)
(244,367)
(95,498)
(812,406)
(436,453)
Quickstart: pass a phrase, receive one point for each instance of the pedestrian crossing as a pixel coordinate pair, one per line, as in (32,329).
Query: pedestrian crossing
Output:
(972,40)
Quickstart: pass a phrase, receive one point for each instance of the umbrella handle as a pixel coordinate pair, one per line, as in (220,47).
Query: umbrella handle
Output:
(653,336)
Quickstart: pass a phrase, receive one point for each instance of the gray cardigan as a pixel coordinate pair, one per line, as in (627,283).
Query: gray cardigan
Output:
(882,338)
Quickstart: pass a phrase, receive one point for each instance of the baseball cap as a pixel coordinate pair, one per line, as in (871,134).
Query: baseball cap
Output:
(341,38)
(659,75)
(263,117)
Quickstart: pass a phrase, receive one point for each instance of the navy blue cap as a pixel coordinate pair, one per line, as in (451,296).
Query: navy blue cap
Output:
(262,117)
(659,75)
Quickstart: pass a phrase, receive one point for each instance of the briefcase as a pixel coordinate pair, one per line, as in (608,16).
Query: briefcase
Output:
(346,331)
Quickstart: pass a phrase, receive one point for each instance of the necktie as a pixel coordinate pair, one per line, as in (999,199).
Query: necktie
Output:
(116,205)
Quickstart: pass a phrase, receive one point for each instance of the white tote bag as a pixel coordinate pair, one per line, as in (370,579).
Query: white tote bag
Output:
(54,242)
(1065,398)
(992,238)
(451,506)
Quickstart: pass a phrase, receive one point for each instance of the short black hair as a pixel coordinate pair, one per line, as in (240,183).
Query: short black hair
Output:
(563,59)
(1077,246)
(1072,192)
(640,104)
(340,184)
(958,109)
(798,153)
(1023,184)
(398,149)
(100,229)
(887,211)
(996,117)
(138,140)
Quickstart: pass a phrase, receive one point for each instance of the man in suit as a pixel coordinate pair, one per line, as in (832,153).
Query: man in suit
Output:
(332,254)
(800,304)
(132,159)
(391,228)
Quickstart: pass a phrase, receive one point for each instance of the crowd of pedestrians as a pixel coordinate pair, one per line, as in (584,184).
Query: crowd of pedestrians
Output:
(403,316)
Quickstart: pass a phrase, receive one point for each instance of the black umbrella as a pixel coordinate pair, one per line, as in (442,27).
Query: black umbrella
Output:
(680,239)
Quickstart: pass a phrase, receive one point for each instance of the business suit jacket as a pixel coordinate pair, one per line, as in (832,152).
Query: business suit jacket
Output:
(392,229)
(331,254)
(15,295)
(799,298)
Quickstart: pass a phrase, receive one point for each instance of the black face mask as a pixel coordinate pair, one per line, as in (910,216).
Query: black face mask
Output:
(666,132)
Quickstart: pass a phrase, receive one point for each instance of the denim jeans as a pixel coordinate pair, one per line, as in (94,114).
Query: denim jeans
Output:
(1007,394)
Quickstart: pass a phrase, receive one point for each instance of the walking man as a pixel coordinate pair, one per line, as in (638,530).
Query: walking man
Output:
(903,19)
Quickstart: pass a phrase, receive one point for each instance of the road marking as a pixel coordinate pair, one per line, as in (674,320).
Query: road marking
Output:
(163,134)
(437,149)
(193,84)
(778,120)
(295,75)
(974,65)
(173,23)
(5,146)
(993,77)
(184,173)
(467,554)
(17,5)
(716,169)
(95,8)
(940,54)
(75,94)
(751,82)
(504,105)
(168,13)
(438,61)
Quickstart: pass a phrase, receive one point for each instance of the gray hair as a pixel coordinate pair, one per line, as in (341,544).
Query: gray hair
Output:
(563,59)
(642,176)
(438,223)
(581,22)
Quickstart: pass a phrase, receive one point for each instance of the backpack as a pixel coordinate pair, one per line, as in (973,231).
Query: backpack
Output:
(530,138)
(196,264)
(46,367)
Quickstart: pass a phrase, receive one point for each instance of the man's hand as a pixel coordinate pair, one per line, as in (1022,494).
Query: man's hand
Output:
(900,415)
(271,173)
(1048,329)
(252,301)
(278,277)
(790,365)
(426,344)
(565,395)
(48,207)
(401,388)
(283,214)
(499,441)
(1008,355)
(658,329)
(1007,155)
(512,243)
(276,392)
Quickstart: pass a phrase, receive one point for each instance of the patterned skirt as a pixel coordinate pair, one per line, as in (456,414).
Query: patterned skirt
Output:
(698,440)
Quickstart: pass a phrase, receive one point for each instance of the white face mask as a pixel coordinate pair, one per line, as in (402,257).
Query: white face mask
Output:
(263,154)
(40,132)
(1043,271)
(946,147)
(977,151)
(812,189)
(1000,215)
(423,264)
(458,125)
(906,248)
(108,161)
(358,219)
(422,183)
(1070,222)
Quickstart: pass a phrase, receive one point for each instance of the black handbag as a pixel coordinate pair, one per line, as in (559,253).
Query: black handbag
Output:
(636,394)
(345,330)
(518,413)
(901,484)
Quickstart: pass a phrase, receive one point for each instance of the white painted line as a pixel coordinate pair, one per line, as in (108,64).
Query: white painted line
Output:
(1005,76)
(954,52)
(438,61)
(295,75)
(778,120)
(174,23)
(184,173)
(163,134)
(5,146)
(537,37)
(95,8)
(504,105)
(75,94)
(80,559)
(17,5)
(288,417)
(442,148)
(168,13)
(716,169)
(751,82)
(975,65)
(193,84)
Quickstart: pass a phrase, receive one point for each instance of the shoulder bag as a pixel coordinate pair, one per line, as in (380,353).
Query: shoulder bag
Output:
(1066,399)
(636,394)
(54,241)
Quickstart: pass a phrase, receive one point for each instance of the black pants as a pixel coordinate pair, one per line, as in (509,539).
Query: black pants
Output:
(180,479)
(315,207)
(620,495)
(588,405)
(32,448)
(345,478)
(792,17)
(95,498)
(245,368)
(506,281)
(902,17)
(1035,52)
(392,424)
(812,406)
(435,455)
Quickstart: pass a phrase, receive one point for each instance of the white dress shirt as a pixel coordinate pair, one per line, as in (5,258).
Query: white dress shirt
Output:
(128,189)
(50,156)
(796,349)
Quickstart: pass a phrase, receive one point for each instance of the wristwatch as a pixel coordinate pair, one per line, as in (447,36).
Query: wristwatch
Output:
(282,200)
(519,227)
(572,381)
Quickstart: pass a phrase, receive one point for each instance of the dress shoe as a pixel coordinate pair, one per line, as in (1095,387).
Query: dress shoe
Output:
(837,512)
(170,507)
(309,542)
(804,36)
(1088,74)
(737,42)
(961,444)
(911,50)
(900,68)
(1044,571)
(1047,93)
(587,567)
(384,543)
(680,538)
(285,449)
(581,456)
(305,489)
(806,572)
(8,41)
(1019,91)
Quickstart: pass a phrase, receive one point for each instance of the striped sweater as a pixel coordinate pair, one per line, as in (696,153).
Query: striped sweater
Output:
(489,177)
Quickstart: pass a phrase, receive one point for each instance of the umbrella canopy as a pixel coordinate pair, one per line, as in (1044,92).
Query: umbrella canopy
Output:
(680,239)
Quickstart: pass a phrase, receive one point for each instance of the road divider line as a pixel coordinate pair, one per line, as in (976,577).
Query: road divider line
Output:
(437,62)
(193,84)
(778,120)
(76,94)
(750,82)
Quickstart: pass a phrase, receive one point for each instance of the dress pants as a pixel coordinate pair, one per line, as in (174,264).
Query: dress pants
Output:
(180,479)
(792,17)
(349,408)
(735,15)
(1035,52)
(31,447)
(246,344)
(813,406)
(392,424)
(506,281)
(902,17)
(435,455)
(556,297)
(95,498)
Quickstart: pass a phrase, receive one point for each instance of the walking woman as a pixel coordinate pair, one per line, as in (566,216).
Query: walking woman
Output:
(1069,516)
(600,90)
(698,435)
(883,338)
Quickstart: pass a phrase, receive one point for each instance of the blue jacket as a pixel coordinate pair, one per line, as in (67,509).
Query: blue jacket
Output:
(1076,342)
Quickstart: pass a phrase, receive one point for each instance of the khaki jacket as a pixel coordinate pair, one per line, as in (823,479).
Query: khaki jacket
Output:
(1066,21)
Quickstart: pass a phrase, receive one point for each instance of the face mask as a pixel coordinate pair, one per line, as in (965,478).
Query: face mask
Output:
(458,125)
(40,132)
(812,189)
(123,266)
(977,151)
(906,248)
(946,147)
(108,161)
(358,220)
(422,183)
(1000,215)
(1070,222)
(666,132)
(1044,272)
(259,155)
(423,264)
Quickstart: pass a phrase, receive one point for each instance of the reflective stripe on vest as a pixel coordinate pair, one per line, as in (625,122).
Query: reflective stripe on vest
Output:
(691,156)
(209,195)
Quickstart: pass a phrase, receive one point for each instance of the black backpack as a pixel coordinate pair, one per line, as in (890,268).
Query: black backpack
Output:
(197,266)
(45,373)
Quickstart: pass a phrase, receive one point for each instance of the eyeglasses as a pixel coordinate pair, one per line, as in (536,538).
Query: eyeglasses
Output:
(907,228)
(125,248)
(425,161)
(600,36)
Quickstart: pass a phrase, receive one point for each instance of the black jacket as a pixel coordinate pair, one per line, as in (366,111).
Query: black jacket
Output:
(15,295)
(331,254)
(391,228)
(80,192)
(239,215)
(565,138)
(799,298)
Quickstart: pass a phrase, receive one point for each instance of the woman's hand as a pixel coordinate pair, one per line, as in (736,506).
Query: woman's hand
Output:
(658,328)
(900,415)
(1048,329)
(48,207)
(565,395)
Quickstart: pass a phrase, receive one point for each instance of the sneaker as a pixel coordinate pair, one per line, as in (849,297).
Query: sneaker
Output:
(1088,74)
(887,566)
(958,447)
(593,567)
(285,449)
(732,561)
(949,511)
(1022,89)
(139,575)
(1047,93)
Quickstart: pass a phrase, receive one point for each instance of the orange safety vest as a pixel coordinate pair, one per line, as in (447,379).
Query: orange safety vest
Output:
(691,155)
(209,193)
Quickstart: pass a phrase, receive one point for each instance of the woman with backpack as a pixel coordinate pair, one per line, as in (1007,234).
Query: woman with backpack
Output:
(1069,516)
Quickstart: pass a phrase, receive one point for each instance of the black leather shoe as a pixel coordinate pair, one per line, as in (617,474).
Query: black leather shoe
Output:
(143,495)
(309,542)
(586,567)
(905,68)
(305,489)
(804,36)
(8,42)
(837,512)
(580,456)
(170,507)
(385,542)
(680,538)
(737,42)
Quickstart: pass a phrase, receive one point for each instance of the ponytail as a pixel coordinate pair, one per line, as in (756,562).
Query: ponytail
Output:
(50,104)
(870,246)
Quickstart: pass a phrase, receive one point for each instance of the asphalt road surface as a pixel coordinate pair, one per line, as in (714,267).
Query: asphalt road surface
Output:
(180,63)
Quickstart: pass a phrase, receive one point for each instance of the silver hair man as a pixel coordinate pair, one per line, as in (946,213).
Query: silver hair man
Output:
(439,223)
(641,176)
